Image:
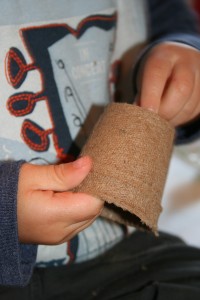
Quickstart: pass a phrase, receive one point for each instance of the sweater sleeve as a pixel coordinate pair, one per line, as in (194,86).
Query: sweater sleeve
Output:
(172,21)
(16,259)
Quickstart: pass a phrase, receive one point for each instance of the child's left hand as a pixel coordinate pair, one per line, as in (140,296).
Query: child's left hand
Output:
(169,82)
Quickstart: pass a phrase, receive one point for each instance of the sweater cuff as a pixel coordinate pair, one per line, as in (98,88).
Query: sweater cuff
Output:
(16,259)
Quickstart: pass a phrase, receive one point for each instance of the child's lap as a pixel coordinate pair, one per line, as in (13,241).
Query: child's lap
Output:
(141,267)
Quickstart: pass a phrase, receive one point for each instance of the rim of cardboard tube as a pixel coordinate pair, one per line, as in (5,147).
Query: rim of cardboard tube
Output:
(120,215)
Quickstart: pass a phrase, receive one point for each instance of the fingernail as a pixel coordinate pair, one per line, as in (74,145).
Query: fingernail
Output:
(153,109)
(81,162)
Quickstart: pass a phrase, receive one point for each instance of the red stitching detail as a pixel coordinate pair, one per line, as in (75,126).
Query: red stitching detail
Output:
(22,68)
(30,98)
(43,135)
(80,25)
(60,151)
(70,253)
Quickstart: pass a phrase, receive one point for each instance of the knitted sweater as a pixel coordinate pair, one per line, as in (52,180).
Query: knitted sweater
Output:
(46,34)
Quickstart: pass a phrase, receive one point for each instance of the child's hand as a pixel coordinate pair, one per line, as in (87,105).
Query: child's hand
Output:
(169,82)
(47,212)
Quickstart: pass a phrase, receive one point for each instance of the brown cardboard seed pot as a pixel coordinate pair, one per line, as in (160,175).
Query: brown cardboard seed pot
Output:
(131,148)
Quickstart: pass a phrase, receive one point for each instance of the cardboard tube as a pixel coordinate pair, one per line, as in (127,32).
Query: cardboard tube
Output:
(131,148)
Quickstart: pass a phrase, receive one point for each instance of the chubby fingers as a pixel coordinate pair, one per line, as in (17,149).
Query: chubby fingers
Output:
(53,218)
(181,98)
(76,207)
(153,77)
(58,178)
(51,213)
(76,211)
(169,83)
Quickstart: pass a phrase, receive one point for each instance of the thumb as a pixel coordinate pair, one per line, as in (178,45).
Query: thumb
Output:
(57,177)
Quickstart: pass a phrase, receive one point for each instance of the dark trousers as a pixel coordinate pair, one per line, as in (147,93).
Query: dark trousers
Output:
(141,267)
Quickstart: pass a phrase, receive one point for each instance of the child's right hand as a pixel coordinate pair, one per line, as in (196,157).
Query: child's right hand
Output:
(47,212)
